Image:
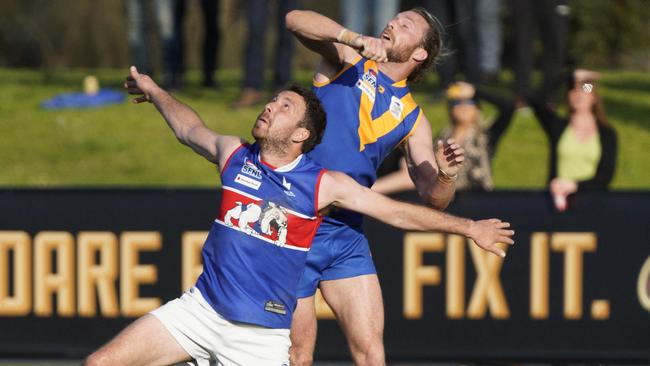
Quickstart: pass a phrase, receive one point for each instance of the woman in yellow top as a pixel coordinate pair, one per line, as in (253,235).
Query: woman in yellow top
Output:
(583,144)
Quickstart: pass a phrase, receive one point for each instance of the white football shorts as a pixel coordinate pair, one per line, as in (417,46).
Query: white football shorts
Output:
(211,339)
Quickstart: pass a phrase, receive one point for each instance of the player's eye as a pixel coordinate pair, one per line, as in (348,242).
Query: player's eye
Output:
(286,105)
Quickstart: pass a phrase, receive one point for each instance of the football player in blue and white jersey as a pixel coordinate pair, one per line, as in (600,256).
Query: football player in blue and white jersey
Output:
(240,310)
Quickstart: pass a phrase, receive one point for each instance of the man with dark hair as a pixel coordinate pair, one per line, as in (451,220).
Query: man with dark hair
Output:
(240,310)
(362,83)
(315,117)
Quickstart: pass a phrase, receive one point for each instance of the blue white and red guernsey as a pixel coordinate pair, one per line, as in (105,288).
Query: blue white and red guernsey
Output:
(255,253)
(368,115)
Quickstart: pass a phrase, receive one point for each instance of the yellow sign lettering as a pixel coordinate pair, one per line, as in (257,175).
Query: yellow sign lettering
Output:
(47,282)
(132,274)
(416,275)
(21,302)
(573,245)
(100,276)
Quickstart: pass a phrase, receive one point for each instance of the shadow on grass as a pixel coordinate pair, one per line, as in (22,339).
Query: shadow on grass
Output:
(628,84)
(629,113)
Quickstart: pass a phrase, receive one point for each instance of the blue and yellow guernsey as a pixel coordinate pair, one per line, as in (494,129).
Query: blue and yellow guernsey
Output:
(368,115)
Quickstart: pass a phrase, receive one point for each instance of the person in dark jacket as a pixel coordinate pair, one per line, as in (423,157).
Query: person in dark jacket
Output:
(583,144)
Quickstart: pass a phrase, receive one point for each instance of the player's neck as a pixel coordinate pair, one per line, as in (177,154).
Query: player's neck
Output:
(397,71)
(278,156)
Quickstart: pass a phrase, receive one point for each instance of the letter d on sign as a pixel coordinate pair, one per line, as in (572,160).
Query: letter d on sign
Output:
(643,285)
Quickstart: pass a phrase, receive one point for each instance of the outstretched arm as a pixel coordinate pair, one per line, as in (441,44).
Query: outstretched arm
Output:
(433,173)
(186,124)
(342,191)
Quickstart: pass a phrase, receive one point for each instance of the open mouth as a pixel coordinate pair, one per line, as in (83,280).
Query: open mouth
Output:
(263,119)
(386,35)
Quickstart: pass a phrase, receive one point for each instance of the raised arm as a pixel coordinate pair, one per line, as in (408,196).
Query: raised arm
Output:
(336,44)
(342,191)
(506,107)
(186,124)
(433,173)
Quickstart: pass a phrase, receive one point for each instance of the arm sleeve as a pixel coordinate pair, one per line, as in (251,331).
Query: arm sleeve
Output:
(551,122)
(506,107)
(606,166)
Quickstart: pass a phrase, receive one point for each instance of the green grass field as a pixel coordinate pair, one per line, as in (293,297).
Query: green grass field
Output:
(130,145)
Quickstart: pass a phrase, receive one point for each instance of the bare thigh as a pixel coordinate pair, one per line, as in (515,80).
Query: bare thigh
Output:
(303,332)
(359,308)
(144,342)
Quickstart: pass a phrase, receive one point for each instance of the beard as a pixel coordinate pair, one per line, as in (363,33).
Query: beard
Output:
(399,55)
(278,145)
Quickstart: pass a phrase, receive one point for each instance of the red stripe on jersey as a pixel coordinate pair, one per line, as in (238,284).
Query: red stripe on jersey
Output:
(225,165)
(267,219)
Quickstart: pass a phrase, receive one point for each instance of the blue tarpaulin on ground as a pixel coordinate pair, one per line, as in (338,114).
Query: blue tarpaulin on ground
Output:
(83,100)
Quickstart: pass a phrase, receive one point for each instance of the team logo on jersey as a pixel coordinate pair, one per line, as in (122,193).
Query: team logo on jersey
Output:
(248,182)
(272,221)
(396,107)
(368,84)
(275,307)
(251,169)
(370,77)
(287,185)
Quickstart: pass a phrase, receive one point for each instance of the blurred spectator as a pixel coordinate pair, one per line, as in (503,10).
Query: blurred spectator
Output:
(368,16)
(171,38)
(583,145)
(548,19)
(211,37)
(490,40)
(256,16)
(139,28)
(458,18)
(469,129)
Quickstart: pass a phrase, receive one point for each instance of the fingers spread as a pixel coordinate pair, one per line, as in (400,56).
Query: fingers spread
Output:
(139,100)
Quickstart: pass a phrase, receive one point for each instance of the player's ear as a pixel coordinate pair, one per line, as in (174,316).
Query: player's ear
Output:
(301,134)
(420,54)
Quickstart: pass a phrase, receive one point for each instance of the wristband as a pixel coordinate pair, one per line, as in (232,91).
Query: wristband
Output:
(443,176)
(347,36)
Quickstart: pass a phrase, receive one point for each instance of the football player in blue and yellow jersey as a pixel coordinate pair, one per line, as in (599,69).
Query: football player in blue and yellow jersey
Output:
(362,83)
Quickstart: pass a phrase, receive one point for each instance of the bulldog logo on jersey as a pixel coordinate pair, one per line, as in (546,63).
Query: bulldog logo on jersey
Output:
(270,222)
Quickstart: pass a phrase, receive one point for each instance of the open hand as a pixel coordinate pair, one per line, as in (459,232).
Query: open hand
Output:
(449,156)
(487,233)
(140,84)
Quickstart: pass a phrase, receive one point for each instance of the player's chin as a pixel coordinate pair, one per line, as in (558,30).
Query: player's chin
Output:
(258,131)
